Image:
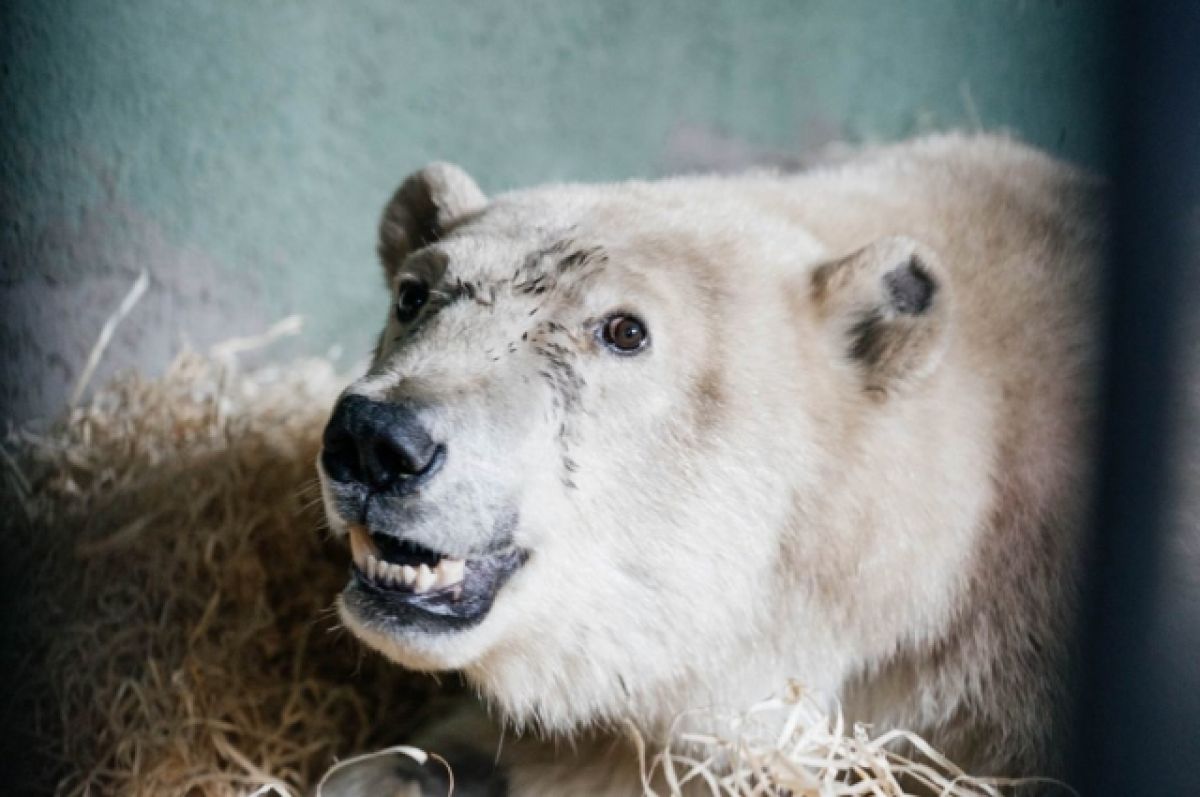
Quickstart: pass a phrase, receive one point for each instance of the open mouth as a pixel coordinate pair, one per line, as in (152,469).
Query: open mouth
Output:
(399,585)
(399,565)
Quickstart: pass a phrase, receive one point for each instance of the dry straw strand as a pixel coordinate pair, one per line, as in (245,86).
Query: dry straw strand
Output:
(106,332)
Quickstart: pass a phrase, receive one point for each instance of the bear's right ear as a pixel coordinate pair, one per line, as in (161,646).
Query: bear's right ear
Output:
(424,207)
(888,307)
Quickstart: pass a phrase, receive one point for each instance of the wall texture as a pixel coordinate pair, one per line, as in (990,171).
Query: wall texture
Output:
(240,152)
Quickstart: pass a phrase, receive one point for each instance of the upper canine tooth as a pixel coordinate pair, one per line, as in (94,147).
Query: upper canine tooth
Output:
(450,571)
(361,546)
(409,574)
(425,578)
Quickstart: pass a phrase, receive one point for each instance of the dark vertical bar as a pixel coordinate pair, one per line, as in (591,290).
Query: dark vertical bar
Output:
(1138,715)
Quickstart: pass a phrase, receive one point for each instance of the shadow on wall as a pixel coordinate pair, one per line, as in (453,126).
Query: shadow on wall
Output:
(240,153)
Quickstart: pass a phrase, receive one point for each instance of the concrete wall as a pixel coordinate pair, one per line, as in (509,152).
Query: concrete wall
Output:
(240,152)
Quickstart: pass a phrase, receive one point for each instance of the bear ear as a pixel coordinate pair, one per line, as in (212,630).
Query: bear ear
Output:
(888,307)
(424,207)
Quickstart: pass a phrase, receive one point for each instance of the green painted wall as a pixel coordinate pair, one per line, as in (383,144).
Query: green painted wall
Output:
(241,151)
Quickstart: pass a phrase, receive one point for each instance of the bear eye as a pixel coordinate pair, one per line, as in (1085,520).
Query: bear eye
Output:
(625,334)
(411,296)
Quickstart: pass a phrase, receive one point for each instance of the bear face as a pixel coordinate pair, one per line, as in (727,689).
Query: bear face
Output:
(625,451)
(637,407)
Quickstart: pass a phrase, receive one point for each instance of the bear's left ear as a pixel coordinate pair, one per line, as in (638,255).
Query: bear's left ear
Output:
(423,208)
(888,306)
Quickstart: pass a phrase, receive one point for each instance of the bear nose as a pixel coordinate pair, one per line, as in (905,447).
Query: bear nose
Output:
(381,445)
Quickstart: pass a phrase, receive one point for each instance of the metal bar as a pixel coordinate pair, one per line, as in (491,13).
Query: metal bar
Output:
(1138,717)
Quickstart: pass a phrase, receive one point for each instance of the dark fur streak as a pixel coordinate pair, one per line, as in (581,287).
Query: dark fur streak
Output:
(581,257)
(867,346)
(559,246)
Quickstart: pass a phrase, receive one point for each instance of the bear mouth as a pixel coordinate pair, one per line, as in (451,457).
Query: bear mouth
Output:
(402,565)
(399,585)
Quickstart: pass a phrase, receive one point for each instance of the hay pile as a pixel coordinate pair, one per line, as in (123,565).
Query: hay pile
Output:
(793,746)
(173,592)
(174,589)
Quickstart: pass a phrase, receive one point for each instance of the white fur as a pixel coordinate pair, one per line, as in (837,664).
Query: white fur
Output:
(751,502)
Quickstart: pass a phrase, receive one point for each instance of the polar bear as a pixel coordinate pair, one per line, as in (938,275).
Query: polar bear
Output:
(627,450)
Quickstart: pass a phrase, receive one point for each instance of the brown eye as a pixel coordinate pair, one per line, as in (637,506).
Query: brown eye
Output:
(410,298)
(625,334)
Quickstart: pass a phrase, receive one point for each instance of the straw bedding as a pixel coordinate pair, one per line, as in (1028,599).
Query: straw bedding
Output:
(173,632)
(176,592)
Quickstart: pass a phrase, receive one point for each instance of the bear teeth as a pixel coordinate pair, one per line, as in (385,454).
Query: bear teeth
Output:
(370,562)
(362,546)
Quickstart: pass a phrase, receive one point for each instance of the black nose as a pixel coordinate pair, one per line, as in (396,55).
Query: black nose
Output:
(380,445)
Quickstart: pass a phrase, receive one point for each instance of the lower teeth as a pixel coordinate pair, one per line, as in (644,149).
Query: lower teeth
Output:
(448,572)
